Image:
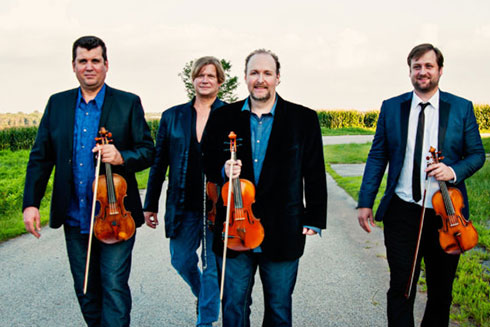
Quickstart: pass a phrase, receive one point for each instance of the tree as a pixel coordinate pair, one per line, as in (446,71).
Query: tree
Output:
(227,89)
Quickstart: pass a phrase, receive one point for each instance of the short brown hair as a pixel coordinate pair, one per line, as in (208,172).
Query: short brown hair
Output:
(89,42)
(264,51)
(208,60)
(422,49)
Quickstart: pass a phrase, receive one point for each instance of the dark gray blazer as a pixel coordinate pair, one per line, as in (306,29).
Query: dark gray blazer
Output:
(122,115)
(292,189)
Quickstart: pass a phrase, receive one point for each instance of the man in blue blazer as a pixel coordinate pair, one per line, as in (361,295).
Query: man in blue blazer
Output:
(66,139)
(408,126)
(178,147)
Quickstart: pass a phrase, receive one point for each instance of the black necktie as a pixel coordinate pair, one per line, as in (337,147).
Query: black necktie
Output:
(417,155)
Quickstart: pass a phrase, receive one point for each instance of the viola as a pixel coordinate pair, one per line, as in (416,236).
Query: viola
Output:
(457,234)
(114,223)
(245,232)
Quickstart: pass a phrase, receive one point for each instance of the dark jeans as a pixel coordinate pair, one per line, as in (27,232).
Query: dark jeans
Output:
(108,298)
(278,280)
(401,225)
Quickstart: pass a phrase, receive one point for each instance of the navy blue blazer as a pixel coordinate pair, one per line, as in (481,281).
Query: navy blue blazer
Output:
(172,151)
(122,115)
(459,140)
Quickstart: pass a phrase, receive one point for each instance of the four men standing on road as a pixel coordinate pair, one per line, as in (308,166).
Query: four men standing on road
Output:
(280,152)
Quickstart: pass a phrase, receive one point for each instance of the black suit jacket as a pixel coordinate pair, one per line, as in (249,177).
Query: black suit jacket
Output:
(292,190)
(122,115)
(458,139)
(172,151)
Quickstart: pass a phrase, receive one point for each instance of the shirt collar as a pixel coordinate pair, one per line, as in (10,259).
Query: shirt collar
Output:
(434,100)
(99,98)
(246,106)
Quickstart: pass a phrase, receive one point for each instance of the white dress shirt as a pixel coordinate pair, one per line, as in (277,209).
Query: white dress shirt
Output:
(431,132)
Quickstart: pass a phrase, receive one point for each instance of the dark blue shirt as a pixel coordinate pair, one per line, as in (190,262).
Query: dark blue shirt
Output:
(260,131)
(87,117)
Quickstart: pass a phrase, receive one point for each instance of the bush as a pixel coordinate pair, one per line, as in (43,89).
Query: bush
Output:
(17,138)
(482,114)
(347,118)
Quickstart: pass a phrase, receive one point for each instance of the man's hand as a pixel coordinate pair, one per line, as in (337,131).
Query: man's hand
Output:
(441,172)
(109,154)
(151,219)
(308,231)
(237,168)
(32,221)
(365,216)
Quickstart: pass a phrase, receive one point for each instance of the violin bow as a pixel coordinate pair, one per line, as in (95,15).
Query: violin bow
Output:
(91,232)
(421,225)
(232,137)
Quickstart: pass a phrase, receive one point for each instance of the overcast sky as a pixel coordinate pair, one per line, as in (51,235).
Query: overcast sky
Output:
(334,54)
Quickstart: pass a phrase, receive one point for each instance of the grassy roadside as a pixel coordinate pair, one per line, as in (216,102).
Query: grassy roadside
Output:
(471,291)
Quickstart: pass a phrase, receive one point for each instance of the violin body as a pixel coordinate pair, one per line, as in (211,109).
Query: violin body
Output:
(457,234)
(212,193)
(113,224)
(245,231)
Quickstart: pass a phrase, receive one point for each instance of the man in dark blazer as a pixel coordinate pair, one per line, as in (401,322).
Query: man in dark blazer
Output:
(178,148)
(280,151)
(66,139)
(408,126)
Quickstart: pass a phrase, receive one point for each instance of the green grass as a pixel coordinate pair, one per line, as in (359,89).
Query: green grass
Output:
(12,177)
(347,131)
(346,153)
(471,290)
(486,144)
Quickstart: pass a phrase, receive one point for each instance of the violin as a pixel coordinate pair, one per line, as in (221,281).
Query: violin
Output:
(114,223)
(457,234)
(212,191)
(245,232)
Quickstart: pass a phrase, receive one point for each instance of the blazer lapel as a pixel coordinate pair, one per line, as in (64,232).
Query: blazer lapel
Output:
(443,120)
(404,117)
(106,107)
(184,120)
(71,102)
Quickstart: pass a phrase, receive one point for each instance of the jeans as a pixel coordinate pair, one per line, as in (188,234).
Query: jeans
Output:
(278,280)
(184,258)
(108,299)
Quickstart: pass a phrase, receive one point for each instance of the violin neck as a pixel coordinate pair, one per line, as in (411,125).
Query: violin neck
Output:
(237,193)
(111,194)
(448,204)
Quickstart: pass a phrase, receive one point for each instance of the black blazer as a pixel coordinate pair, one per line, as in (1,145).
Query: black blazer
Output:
(292,189)
(122,115)
(172,151)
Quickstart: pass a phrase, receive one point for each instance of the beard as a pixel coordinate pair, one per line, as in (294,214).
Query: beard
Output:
(263,98)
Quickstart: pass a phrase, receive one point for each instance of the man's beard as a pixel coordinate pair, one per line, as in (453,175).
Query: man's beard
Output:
(264,98)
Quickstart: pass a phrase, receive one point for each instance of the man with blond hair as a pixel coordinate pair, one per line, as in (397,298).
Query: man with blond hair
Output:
(178,147)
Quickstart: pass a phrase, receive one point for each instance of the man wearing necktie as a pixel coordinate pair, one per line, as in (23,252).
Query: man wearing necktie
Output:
(408,126)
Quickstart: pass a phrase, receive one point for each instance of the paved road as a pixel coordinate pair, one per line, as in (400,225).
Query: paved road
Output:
(342,280)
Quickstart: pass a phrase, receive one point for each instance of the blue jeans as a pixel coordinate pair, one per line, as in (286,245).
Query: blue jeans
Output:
(108,298)
(184,258)
(278,280)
